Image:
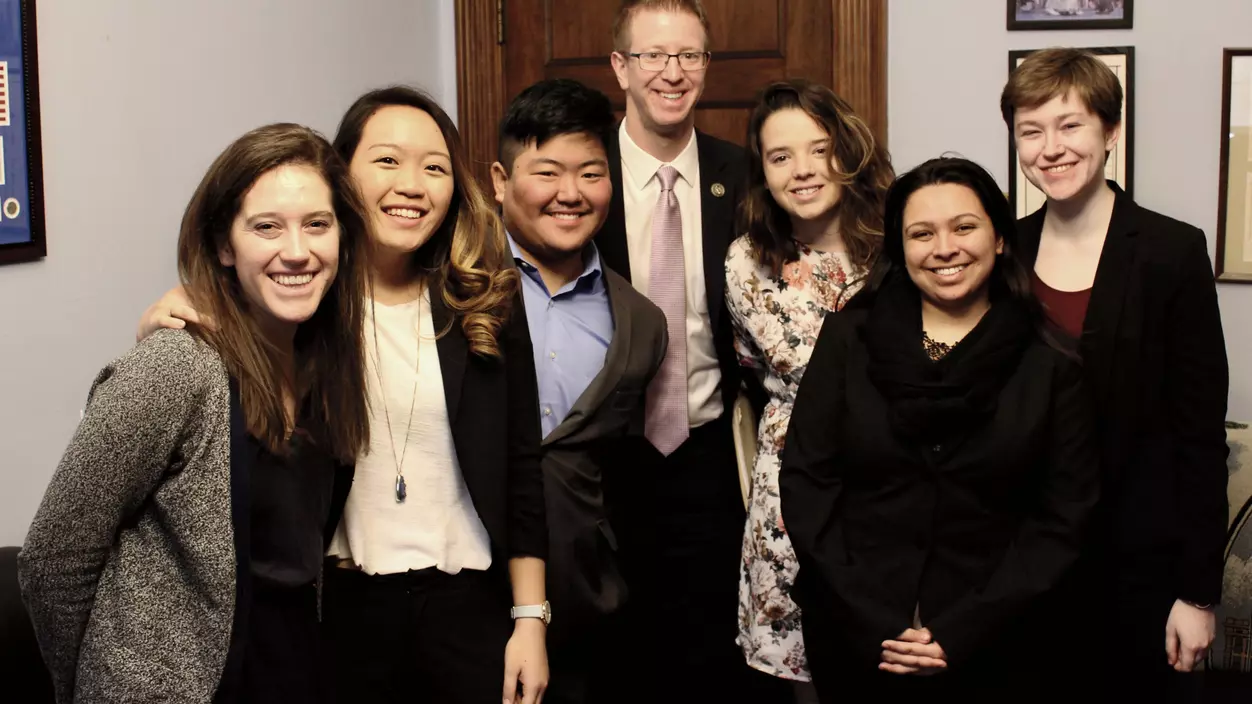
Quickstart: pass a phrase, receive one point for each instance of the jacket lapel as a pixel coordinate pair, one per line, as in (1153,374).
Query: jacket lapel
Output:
(1113,280)
(615,361)
(611,239)
(717,215)
(453,351)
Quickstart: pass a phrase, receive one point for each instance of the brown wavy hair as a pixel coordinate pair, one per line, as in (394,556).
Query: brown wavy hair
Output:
(467,259)
(329,379)
(858,163)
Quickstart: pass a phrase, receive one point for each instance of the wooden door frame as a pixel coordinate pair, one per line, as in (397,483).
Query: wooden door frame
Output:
(860,45)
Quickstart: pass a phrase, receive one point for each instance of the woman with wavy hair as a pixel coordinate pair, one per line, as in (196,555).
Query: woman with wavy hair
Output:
(813,223)
(447,510)
(178,550)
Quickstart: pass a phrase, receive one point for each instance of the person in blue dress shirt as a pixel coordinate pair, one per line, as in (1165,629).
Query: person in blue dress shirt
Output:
(597,344)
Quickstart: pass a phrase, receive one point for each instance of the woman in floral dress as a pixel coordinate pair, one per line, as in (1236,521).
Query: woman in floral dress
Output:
(813,218)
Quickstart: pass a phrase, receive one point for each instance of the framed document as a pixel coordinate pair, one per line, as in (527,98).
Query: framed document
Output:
(22,236)
(1023,195)
(1233,262)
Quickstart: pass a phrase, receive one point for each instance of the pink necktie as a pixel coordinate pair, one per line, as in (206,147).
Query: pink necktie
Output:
(666,425)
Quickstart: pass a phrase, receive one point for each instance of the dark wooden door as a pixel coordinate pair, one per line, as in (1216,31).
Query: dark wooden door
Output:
(505,48)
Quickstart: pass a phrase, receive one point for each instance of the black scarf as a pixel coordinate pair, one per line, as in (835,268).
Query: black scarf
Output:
(941,401)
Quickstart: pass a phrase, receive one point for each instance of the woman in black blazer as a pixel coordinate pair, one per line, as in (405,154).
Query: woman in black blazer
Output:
(939,467)
(1136,289)
(434,587)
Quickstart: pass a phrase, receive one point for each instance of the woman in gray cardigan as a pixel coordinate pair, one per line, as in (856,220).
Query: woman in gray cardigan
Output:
(176,555)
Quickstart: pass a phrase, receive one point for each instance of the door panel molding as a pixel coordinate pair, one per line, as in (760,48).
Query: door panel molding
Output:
(858,45)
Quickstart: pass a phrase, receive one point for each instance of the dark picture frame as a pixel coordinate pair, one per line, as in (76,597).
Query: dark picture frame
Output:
(1023,196)
(22,228)
(1023,15)
(1232,262)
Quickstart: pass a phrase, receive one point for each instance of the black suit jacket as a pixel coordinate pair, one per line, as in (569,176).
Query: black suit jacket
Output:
(973,532)
(1155,360)
(584,578)
(720,163)
(493,408)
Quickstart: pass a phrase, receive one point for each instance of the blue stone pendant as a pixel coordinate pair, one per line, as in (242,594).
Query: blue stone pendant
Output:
(402,491)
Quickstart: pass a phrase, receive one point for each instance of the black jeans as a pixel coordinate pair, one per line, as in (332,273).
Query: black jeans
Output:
(423,636)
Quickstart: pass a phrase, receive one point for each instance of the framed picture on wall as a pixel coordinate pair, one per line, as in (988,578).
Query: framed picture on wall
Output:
(1027,15)
(22,236)
(1233,262)
(1023,195)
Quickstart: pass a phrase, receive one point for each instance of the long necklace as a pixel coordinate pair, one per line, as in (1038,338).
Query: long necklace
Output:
(402,491)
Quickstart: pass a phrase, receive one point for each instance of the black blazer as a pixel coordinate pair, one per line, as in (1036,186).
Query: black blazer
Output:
(1155,361)
(971,532)
(720,163)
(585,581)
(493,408)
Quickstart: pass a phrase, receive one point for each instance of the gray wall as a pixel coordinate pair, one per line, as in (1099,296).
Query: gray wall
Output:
(138,96)
(949,60)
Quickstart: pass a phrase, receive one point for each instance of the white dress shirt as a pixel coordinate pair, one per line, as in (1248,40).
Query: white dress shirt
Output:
(437,525)
(640,191)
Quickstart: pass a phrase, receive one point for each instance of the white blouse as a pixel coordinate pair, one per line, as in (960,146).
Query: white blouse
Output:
(436,525)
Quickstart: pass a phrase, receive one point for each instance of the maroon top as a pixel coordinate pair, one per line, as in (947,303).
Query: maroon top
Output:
(1066,309)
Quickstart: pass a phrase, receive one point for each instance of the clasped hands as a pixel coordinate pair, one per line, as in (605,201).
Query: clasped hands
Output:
(913,652)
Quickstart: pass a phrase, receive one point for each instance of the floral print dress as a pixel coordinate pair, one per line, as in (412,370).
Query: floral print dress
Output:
(776,322)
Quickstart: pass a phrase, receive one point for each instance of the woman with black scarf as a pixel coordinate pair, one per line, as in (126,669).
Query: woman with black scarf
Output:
(940,466)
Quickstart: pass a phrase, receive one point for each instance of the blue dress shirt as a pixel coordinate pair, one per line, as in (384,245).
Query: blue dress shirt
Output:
(570,331)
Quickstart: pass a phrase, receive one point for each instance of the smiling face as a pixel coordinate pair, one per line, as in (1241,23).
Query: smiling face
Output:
(950,246)
(662,101)
(284,247)
(404,172)
(556,197)
(797,160)
(1061,146)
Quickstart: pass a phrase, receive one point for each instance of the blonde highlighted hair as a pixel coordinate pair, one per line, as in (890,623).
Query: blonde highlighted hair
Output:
(467,260)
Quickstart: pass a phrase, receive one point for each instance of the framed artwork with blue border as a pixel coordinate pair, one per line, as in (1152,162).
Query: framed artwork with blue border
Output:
(22,235)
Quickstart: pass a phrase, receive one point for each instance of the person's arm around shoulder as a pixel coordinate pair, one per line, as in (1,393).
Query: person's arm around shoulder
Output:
(137,411)
(172,311)
(526,659)
(1196,387)
(1049,539)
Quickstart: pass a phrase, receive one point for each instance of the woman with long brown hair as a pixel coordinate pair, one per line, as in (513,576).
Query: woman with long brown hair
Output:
(177,551)
(813,224)
(446,512)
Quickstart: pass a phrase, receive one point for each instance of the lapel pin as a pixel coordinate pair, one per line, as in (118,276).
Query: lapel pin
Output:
(718,190)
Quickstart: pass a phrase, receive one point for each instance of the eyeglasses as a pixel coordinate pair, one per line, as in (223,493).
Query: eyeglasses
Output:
(659,60)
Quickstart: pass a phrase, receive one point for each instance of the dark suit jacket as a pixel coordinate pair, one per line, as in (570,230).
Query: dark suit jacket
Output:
(584,578)
(720,163)
(1155,360)
(973,531)
(493,408)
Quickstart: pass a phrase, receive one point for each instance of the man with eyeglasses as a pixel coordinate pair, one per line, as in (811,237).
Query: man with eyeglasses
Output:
(676,501)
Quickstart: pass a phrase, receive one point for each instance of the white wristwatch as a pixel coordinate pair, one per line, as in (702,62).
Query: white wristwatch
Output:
(543,612)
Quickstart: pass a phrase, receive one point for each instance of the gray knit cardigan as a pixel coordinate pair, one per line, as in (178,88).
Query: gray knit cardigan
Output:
(129,567)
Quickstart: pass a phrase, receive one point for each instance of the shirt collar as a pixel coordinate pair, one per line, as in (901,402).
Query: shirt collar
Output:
(642,166)
(591,262)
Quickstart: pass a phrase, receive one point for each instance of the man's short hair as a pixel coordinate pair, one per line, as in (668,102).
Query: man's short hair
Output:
(630,8)
(549,109)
